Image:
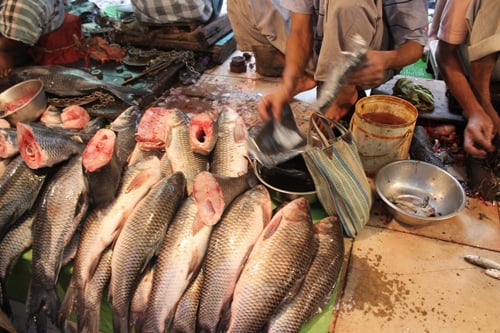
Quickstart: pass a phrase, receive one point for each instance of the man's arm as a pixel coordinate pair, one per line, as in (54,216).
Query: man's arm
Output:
(378,62)
(294,78)
(479,130)
(371,74)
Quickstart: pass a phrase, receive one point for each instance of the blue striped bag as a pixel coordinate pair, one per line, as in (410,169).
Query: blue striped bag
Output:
(341,184)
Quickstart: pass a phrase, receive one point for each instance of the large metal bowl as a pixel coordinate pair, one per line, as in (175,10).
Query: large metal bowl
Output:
(281,195)
(418,193)
(34,101)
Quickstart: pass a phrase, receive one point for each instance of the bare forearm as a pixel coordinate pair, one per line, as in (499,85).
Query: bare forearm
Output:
(405,55)
(456,80)
(298,49)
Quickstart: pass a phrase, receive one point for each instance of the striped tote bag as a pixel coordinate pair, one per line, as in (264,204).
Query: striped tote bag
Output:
(341,184)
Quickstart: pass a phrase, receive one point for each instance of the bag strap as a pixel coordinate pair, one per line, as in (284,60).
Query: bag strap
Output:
(329,137)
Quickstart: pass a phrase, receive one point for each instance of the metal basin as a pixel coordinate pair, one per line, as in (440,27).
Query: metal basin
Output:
(418,193)
(282,195)
(30,99)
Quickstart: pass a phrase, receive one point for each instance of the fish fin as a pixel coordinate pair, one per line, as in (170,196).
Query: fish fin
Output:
(198,224)
(137,182)
(4,300)
(89,321)
(42,304)
(225,318)
(273,226)
(120,323)
(67,304)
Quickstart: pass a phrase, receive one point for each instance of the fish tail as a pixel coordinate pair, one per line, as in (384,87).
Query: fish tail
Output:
(120,322)
(223,324)
(42,303)
(67,305)
(89,321)
(4,299)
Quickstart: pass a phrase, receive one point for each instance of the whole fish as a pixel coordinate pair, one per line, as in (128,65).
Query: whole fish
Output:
(482,262)
(66,81)
(213,193)
(494,273)
(8,142)
(186,311)
(102,167)
(319,281)
(139,240)
(125,126)
(19,188)
(63,205)
(277,265)
(230,244)
(41,147)
(203,133)
(103,225)
(178,148)
(230,154)
(140,300)
(178,262)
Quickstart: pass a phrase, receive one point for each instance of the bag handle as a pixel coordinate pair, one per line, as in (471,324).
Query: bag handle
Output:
(328,124)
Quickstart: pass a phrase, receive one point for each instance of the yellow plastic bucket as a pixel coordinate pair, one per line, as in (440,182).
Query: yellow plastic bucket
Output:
(382,127)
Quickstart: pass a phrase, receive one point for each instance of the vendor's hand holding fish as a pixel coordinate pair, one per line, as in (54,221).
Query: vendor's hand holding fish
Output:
(271,106)
(478,135)
(372,71)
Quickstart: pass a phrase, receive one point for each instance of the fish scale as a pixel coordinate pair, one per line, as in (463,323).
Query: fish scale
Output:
(103,224)
(178,262)
(230,244)
(139,240)
(276,266)
(229,156)
(178,148)
(63,205)
(319,281)
(19,188)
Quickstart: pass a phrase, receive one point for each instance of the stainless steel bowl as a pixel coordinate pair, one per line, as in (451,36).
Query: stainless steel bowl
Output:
(28,111)
(281,195)
(418,193)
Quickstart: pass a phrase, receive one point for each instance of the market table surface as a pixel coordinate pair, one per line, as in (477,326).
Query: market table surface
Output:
(395,278)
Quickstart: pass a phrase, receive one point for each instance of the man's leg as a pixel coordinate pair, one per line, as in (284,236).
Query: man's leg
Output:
(262,28)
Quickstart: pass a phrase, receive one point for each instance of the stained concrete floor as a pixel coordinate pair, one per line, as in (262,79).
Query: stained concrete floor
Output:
(399,278)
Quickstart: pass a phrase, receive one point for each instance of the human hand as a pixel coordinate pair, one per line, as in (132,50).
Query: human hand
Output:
(270,106)
(478,135)
(346,98)
(371,72)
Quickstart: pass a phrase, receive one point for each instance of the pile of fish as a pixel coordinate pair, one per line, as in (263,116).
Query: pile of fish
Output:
(161,211)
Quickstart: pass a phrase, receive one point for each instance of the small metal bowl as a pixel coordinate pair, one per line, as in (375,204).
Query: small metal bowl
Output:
(419,193)
(31,109)
(281,195)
